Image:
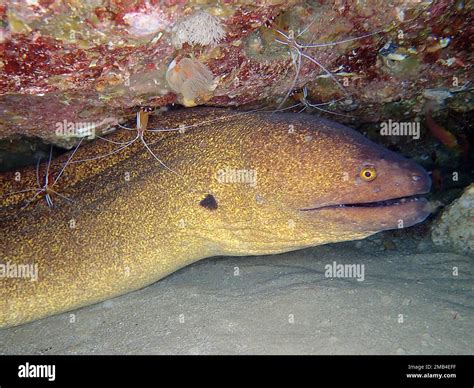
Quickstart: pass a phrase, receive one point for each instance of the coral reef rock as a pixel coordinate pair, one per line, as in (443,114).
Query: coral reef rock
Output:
(454,229)
(95,62)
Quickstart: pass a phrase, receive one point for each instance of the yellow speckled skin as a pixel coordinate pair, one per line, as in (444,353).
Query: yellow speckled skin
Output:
(133,222)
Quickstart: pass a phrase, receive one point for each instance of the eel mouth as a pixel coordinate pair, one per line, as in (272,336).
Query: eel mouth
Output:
(376,204)
(374,216)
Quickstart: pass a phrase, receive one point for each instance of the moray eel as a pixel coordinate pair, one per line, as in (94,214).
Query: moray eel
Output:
(236,184)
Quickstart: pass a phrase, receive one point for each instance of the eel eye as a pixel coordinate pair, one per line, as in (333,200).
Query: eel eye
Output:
(368,173)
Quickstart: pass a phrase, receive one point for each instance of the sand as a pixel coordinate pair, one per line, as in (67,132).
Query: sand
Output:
(408,303)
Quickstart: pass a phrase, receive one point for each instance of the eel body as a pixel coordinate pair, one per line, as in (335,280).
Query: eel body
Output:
(234,184)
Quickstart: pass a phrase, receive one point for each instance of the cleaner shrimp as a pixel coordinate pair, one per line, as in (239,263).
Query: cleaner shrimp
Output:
(304,102)
(45,187)
(141,127)
(299,52)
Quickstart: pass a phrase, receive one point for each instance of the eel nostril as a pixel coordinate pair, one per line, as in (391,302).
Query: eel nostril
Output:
(416,177)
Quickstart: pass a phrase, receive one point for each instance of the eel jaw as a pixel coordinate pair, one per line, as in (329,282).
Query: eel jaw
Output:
(382,203)
(375,216)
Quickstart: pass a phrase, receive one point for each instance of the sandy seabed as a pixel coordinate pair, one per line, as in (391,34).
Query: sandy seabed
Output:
(408,303)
